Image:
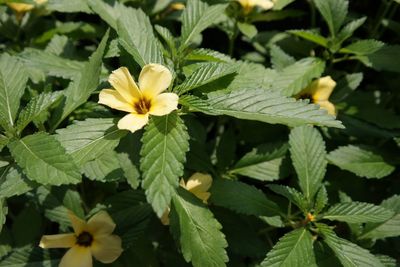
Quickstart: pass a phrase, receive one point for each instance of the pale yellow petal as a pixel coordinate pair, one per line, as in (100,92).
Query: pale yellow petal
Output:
(20,7)
(327,106)
(123,82)
(204,196)
(264,4)
(164,104)
(78,224)
(114,100)
(101,224)
(133,122)
(153,79)
(199,182)
(58,241)
(77,256)
(322,88)
(39,2)
(107,248)
(165,217)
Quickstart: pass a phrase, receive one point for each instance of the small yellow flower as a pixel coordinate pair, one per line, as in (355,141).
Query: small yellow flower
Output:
(198,184)
(177,6)
(93,238)
(140,101)
(21,8)
(248,5)
(319,92)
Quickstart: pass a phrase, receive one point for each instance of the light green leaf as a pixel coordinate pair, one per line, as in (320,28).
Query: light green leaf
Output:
(307,149)
(87,140)
(130,171)
(349,254)
(198,231)
(13,80)
(194,103)
(106,12)
(269,106)
(3,212)
(207,73)
(35,108)
(349,29)
(51,64)
(242,198)
(321,200)
(262,163)
(13,182)
(311,36)
(44,160)
(140,42)
(357,212)
(334,13)
(104,168)
(279,59)
(279,4)
(68,6)
(3,141)
(387,261)
(202,54)
(165,143)
(249,30)
(346,86)
(81,88)
(360,161)
(363,47)
(196,17)
(169,39)
(29,256)
(294,249)
(291,194)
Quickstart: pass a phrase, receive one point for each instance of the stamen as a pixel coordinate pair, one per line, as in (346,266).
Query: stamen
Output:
(84,239)
(142,106)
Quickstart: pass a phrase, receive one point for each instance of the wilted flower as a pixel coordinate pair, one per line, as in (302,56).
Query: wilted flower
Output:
(248,5)
(93,238)
(140,101)
(21,8)
(198,184)
(319,92)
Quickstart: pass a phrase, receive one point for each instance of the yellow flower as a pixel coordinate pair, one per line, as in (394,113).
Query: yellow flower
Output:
(248,5)
(140,101)
(198,184)
(319,92)
(177,6)
(93,238)
(21,8)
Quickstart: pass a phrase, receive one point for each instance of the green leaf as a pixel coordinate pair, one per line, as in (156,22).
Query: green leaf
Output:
(349,29)
(29,256)
(307,149)
(349,254)
(106,12)
(360,161)
(87,140)
(169,39)
(13,182)
(241,198)
(383,59)
(249,30)
(44,160)
(207,73)
(334,13)
(281,4)
(346,86)
(104,168)
(140,42)
(294,249)
(165,143)
(387,261)
(363,47)
(3,141)
(269,106)
(196,17)
(311,36)
(294,78)
(51,64)
(202,54)
(279,59)
(198,231)
(68,6)
(13,80)
(35,108)
(291,194)
(263,163)
(3,212)
(194,103)
(357,212)
(321,200)
(82,87)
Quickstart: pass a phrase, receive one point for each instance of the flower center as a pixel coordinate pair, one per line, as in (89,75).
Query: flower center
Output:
(84,239)
(307,96)
(142,106)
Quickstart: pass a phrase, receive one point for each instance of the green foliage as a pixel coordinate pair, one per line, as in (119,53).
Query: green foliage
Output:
(334,13)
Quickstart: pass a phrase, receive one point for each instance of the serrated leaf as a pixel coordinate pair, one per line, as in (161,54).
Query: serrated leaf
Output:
(104,168)
(13,79)
(194,103)
(3,141)
(262,163)
(3,212)
(242,198)
(294,249)
(13,182)
(360,161)
(165,143)
(307,149)
(202,54)
(198,231)
(294,78)
(346,86)
(169,39)
(349,29)
(68,6)
(334,13)
(51,64)
(44,160)
(357,212)
(363,47)
(269,106)
(140,42)
(196,17)
(29,256)
(279,59)
(311,36)
(386,260)
(88,139)
(349,254)
(106,12)
(205,74)
(321,200)
(81,88)
(35,107)
(291,194)
(280,4)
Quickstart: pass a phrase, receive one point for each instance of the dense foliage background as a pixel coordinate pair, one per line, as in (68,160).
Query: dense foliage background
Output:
(292,185)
